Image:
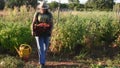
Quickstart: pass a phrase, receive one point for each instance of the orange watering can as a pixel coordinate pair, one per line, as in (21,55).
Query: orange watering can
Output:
(24,51)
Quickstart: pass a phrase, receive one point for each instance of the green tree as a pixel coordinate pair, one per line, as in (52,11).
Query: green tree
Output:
(64,6)
(90,4)
(74,4)
(2,4)
(18,3)
(73,1)
(53,5)
(100,4)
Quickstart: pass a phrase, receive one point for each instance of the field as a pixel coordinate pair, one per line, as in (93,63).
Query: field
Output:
(79,39)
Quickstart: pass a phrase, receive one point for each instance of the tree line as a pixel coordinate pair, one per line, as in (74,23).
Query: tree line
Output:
(17,3)
(72,4)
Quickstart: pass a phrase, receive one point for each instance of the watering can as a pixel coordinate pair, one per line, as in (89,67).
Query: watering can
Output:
(24,51)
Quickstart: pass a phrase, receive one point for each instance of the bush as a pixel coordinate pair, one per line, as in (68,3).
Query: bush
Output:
(14,34)
(15,29)
(2,4)
(53,5)
(10,62)
(19,3)
(89,30)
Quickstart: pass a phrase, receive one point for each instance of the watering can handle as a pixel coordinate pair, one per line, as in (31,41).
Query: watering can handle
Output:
(27,46)
(30,48)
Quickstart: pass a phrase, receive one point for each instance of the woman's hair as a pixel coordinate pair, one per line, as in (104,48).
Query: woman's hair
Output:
(47,11)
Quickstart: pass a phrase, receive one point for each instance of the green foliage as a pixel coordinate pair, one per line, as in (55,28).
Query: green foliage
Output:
(2,4)
(74,4)
(13,34)
(15,30)
(73,1)
(82,54)
(100,4)
(53,5)
(116,60)
(62,6)
(7,61)
(12,3)
(18,3)
(29,65)
(95,66)
(108,63)
(87,29)
(11,62)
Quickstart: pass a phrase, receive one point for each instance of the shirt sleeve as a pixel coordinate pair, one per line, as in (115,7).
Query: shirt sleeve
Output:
(51,21)
(51,17)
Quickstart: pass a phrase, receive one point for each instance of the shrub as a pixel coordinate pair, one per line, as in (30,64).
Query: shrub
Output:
(15,29)
(14,34)
(89,30)
(11,62)
(19,3)
(2,4)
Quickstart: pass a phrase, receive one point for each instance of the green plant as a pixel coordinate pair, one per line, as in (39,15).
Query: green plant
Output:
(18,3)
(14,34)
(15,29)
(82,54)
(2,4)
(11,62)
(29,65)
(109,63)
(95,66)
(89,30)
(116,60)
(7,61)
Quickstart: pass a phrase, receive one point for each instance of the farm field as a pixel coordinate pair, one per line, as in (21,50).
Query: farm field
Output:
(86,39)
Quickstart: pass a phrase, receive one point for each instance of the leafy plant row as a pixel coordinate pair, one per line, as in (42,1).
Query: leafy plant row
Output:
(15,29)
(87,30)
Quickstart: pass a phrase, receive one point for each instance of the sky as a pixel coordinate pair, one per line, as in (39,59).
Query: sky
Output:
(81,1)
(117,1)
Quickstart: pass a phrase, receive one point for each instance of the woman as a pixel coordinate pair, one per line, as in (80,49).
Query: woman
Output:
(41,28)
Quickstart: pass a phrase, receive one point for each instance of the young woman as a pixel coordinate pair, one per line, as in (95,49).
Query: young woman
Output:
(41,28)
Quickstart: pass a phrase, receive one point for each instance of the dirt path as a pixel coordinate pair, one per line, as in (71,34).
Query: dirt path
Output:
(54,62)
(58,64)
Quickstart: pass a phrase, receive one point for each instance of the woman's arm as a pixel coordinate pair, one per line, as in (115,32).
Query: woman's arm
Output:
(33,22)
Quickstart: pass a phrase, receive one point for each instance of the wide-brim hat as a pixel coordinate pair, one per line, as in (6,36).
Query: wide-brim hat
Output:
(42,5)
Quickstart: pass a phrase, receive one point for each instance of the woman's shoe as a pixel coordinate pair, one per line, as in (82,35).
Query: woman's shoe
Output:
(42,65)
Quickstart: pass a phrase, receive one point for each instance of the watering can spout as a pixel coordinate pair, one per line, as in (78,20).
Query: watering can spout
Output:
(19,52)
(16,49)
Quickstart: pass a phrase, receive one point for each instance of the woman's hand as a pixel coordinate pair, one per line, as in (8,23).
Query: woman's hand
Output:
(33,34)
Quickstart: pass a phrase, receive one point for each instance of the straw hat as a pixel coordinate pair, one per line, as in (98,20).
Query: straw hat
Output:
(42,5)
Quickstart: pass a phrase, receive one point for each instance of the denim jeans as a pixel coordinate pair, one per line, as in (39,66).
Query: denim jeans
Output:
(42,45)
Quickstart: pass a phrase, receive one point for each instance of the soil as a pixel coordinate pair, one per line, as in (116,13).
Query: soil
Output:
(53,61)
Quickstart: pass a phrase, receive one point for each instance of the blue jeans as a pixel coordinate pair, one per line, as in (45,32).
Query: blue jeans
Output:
(42,45)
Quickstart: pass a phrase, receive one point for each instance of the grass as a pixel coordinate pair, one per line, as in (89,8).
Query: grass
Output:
(14,62)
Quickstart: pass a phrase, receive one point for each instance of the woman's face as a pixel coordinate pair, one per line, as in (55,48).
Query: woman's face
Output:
(42,11)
